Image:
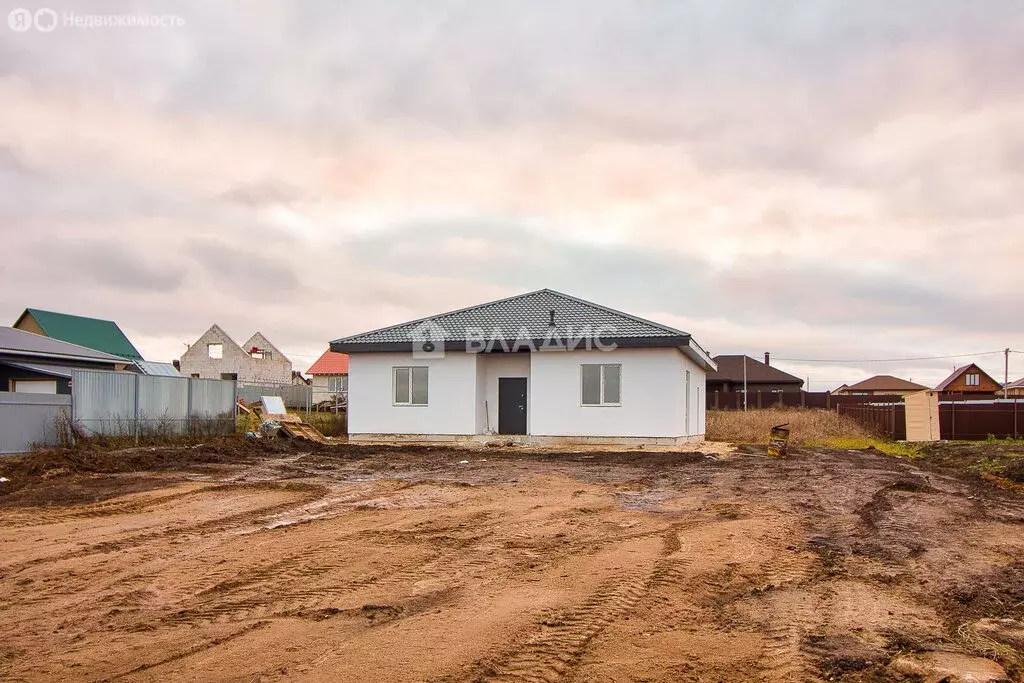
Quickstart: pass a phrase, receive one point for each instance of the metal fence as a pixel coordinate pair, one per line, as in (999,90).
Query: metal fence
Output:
(733,400)
(28,420)
(120,403)
(888,419)
(960,419)
(966,420)
(299,396)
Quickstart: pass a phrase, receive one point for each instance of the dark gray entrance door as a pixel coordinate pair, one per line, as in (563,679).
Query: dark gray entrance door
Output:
(511,405)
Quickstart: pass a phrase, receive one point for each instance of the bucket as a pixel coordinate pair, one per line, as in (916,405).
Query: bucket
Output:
(778,439)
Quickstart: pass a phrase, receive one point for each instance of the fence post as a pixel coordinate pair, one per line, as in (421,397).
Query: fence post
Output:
(1015,432)
(188,407)
(828,402)
(136,421)
(952,419)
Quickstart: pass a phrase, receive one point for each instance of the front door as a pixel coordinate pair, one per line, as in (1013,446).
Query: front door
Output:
(511,405)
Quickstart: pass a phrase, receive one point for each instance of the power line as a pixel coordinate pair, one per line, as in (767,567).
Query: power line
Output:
(887,360)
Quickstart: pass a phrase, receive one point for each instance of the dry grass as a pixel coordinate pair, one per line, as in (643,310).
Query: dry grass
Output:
(807,426)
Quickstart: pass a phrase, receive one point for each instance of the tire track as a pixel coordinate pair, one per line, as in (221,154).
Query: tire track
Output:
(554,652)
(240,519)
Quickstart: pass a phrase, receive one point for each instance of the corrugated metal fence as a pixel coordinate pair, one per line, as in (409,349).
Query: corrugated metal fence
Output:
(119,403)
(294,395)
(27,420)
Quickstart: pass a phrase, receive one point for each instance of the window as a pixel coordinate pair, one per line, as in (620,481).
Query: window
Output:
(215,350)
(195,375)
(601,385)
(337,383)
(261,354)
(973,379)
(410,386)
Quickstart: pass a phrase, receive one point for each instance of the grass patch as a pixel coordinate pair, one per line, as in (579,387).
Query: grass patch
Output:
(898,448)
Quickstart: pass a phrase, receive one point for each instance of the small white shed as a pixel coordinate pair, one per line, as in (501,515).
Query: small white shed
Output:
(542,367)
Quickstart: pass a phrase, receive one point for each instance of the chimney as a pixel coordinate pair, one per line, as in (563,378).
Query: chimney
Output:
(551,319)
(767,358)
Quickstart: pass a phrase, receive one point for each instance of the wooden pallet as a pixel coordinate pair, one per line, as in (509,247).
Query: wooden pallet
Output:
(291,424)
(301,430)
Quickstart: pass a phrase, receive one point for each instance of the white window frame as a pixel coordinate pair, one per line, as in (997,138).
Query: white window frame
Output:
(332,379)
(973,379)
(603,403)
(220,350)
(394,385)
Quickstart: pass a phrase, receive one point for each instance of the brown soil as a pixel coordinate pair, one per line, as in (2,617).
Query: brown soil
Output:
(236,561)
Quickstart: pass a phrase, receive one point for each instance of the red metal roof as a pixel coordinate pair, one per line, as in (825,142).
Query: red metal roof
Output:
(330,363)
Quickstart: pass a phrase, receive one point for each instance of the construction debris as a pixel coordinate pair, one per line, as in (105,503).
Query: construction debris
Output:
(266,423)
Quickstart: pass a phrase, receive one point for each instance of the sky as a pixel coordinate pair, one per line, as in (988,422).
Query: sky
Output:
(821,180)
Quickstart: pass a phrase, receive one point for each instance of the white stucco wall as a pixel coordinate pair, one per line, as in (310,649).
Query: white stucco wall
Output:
(653,395)
(451,407)
(490,367)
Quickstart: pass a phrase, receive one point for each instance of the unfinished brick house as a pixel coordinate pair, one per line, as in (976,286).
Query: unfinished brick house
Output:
(215,355)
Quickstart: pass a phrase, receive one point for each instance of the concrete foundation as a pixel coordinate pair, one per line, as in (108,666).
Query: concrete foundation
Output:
(530,440)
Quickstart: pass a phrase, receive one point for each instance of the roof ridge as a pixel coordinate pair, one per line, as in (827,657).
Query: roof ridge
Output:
(440,315)
(608,309)
(69,315)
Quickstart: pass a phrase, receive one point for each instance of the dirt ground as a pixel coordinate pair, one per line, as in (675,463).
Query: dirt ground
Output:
(261,563)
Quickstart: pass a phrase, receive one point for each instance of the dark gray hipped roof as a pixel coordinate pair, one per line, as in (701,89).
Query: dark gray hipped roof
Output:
(526,316)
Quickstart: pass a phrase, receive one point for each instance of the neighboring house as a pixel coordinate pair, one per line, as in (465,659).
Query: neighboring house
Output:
(760,376)
(543,366)
(970,380)
(1015,388)
(92,333)
(32,363)
(330,376)
(216,356)
(880,385)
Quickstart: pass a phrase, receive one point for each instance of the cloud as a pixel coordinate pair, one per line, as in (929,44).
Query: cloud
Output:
(812,180)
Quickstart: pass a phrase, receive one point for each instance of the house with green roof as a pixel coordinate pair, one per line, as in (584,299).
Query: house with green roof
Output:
(92,333)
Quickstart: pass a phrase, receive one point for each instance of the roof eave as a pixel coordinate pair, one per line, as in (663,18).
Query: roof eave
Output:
(684,343)
(694,352)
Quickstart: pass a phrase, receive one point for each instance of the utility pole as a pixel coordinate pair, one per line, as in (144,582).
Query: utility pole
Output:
(744,382)
(1006,372)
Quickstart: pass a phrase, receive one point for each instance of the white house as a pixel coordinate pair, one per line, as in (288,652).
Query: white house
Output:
(541,367)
